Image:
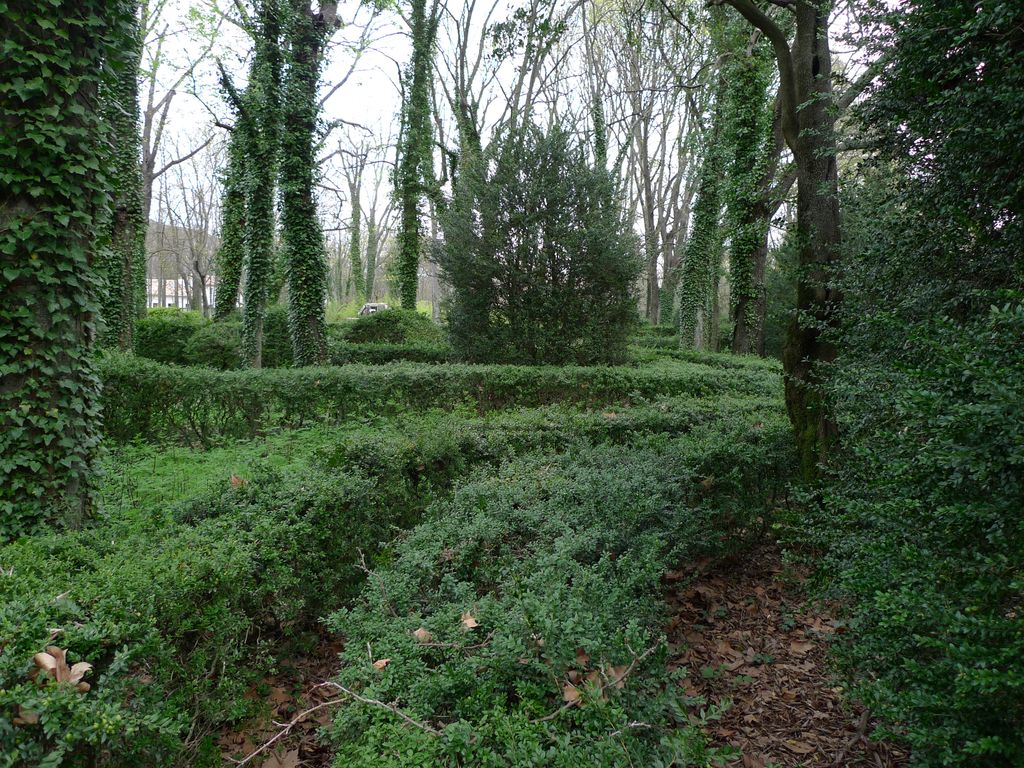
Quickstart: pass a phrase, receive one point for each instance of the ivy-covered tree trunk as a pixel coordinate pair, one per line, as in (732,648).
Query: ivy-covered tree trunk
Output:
(54,199)
(748,133)
(305,254)
(355,243)
(698,283)
(231,254)
(263,105)
(808,112)
(414,164)
(372,245)
(123,262)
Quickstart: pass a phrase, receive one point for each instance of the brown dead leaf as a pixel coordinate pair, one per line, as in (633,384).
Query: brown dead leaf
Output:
(379,664)
(24,717)
(618,675)
(581,657)
(468,621)
(570,694)
(54,662)
(800,747)
(238,482)
(799,648)
(423,635)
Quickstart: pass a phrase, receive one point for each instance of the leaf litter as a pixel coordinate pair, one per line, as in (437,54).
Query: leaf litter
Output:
(746,634)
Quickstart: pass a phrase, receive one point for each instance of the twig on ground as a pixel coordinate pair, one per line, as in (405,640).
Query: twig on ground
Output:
(609,684)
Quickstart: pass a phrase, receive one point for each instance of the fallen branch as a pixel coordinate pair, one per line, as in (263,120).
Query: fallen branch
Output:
(609,684)
(283,732)
(393,708)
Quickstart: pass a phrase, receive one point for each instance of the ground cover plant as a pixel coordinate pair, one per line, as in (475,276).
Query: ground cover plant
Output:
(214,526)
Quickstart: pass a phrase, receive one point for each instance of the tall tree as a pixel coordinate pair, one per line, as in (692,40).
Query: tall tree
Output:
(414,176)
(698,279)
(807,115)
(305,255)
(54,199)
(125,255)
(261,107)
(231,254)
(748,138)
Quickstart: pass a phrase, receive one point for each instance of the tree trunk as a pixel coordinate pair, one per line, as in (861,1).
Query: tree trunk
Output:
(818,228)
(52,207)
(305,254)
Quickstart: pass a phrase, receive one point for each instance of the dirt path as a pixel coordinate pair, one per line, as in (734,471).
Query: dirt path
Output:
(745,633)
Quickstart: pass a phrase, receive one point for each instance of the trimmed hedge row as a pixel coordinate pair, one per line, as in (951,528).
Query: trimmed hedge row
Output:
(344,353)
(539,586)
(182,608)
(145,400)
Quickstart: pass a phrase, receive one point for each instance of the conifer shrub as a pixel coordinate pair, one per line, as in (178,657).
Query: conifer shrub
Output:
(539,258)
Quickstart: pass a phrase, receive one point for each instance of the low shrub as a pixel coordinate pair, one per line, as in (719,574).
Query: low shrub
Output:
(163,334)
(518,624)
(393,326)
(177,613)
(215,346)
(277,340)
(181,606)
(144,400)
(342,353)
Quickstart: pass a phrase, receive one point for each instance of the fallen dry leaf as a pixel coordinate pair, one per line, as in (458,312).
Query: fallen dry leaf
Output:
(54,662)
(238,482)
(468,622)
(381,663)
(570,694)
(800,747)
(799,648)
(423,635)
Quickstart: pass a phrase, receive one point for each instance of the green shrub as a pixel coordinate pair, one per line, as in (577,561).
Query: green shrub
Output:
(144,400)
(924,538)
(215,346)
(343,352)
(557,562)
(393,326)
(163,334)
(540,260)
(178,613)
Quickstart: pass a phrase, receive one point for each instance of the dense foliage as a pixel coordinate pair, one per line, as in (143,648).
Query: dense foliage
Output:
(306,33)
(183,596)
(142,399)
(538,586)
(55,195)
(540,261)
(392,326)
(921,518)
